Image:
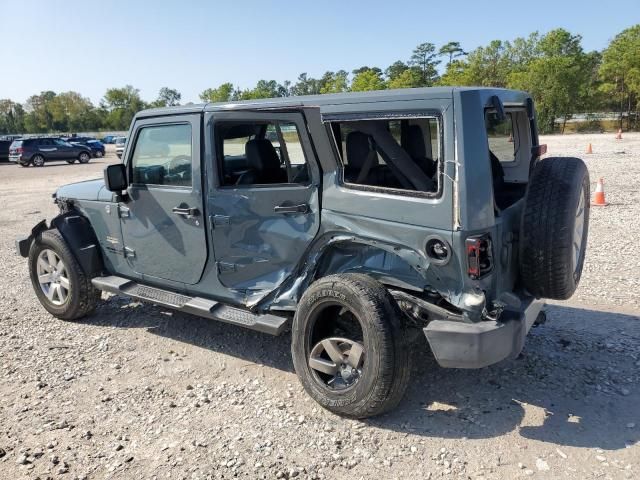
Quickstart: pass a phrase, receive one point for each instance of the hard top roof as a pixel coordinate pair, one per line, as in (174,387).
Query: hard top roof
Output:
(330,99)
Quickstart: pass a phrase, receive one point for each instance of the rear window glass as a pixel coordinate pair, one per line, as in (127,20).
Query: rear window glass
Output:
(16,144)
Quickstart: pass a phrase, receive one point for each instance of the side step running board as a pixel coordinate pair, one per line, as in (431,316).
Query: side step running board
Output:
(202,307)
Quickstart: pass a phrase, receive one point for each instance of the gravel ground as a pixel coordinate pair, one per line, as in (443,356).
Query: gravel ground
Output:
(136,391)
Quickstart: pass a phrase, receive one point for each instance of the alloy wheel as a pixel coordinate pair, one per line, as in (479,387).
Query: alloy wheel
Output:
(53,277)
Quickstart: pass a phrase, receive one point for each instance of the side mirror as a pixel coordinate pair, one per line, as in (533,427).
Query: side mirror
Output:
(115,177)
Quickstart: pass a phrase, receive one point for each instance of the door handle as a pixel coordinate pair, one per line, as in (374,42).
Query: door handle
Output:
(302,208)
(188,212)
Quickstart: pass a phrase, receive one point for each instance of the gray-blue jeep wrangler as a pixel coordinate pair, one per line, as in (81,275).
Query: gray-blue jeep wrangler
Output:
(356,219)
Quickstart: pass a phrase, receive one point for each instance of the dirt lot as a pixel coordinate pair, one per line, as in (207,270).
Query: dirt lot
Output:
(138,392)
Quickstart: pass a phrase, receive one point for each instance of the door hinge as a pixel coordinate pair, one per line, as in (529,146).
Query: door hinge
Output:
(226,267)
(123,211)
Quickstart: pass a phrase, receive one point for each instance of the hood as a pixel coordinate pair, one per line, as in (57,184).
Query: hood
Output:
(87,190)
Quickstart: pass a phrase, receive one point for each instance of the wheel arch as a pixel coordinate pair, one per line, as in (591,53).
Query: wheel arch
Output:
(77,231)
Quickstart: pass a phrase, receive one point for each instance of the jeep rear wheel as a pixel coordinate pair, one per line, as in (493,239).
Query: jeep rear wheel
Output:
(349,348)
(61,285)
(84,157)
(555,223)
(38,161)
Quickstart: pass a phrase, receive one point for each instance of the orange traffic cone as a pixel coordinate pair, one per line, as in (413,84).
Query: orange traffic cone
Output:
(589,149)
(619,135)
(598,199)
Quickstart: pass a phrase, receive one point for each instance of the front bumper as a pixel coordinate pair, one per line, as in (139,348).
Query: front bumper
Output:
(476,345)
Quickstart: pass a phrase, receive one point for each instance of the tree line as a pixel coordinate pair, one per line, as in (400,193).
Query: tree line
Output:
(562,77)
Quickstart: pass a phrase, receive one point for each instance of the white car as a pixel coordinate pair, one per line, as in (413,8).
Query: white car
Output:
(120,143)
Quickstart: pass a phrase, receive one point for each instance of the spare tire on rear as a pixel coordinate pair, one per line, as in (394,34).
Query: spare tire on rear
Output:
(554,226)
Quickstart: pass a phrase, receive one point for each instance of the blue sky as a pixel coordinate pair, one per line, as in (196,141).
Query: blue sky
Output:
(89,45)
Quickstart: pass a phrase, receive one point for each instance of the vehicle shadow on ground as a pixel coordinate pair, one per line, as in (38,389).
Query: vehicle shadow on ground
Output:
(570,386)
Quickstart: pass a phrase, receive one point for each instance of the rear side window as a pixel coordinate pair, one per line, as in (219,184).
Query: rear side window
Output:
(260,153)
(500,136)
(400,154)
(16,144)
(162,155)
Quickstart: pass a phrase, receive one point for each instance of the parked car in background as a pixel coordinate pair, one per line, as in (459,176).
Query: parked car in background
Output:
(96,146)
(37,151)
(120,142)
(109,139)
(4,150)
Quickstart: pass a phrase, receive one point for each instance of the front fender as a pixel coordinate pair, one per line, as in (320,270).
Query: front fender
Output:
(79,235)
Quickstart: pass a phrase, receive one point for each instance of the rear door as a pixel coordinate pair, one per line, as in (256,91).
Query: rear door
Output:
(263,200)
(162,218)
(47,147)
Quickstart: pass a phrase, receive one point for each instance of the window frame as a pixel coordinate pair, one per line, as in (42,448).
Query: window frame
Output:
(132,151)
(329,119)
(265,122)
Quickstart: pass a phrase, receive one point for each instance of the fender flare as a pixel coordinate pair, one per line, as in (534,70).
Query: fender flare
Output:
(79,235)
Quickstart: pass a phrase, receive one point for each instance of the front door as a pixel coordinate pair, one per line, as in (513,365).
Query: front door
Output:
(263,206)
(162,219)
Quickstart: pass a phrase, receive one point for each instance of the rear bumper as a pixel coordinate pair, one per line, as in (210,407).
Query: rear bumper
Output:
(477,345)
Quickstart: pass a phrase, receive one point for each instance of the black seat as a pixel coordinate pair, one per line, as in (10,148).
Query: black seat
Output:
(417,150)
(264,164)
(361,159)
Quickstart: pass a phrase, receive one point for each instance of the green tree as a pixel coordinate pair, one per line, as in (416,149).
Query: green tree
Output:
(410,78)
(121,104)
(11,116)
(424,60)
(620,71)
(265,89)
(222,93)
(556,78)
(39,116)
(451,50)
(396,69)
(167,97)
(368,79)
(334,82)
(305,85)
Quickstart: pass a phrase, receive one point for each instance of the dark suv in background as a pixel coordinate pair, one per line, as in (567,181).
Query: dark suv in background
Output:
(96,146)
(37,151)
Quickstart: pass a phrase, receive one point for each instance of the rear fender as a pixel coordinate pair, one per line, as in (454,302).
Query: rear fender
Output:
(389,264)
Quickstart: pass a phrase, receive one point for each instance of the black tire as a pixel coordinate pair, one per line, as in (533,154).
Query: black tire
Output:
(386,369)
(71,161)
(84,157)
(99,154)
(82,297)
(25,164)
(38,160)
(549,265)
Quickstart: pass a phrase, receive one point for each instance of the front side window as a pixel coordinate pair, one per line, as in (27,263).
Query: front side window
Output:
(260,153)
(400,154)
(500,136)
(162,155)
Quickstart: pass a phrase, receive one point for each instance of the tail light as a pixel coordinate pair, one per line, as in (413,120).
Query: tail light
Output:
(19,150)
(479,257)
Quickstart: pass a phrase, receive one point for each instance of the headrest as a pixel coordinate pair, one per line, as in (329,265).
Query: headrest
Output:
(262,155)
(359,146)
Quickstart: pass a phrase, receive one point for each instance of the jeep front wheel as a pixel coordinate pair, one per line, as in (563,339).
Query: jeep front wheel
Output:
(61,285)
(348,345)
